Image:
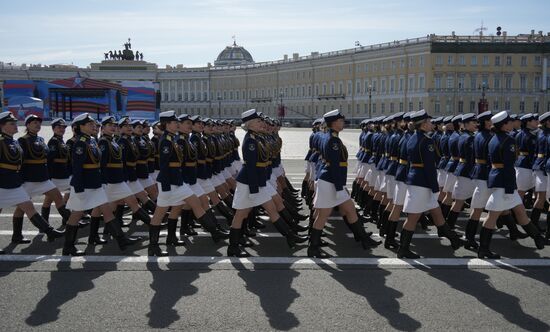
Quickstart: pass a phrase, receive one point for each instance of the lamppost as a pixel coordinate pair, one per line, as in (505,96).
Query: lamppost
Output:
(281,110)
(219,107)
(483,105)
(370,90)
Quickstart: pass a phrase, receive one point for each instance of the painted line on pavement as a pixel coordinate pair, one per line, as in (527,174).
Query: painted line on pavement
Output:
(293,262)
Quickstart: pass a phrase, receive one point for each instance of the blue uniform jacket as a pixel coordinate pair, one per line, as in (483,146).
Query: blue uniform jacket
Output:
(527,146)
(453,152)
(481,168)
(502,154)
(249,173)
(466,154)
(542,146)
(11,157)
(58,158)
(170,159)
(112,169)
(421,157)
(35,158)
(335,154)
(86,157)
(444,149)
(403,162)
(393,151)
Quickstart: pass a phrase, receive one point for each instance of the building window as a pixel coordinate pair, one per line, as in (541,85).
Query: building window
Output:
(357,87)
(496,83)
(523,61)
(473,60)
(485,60)
(508,82)
(411,84)
(461,60)
(461,82)
(374,108)
(411,62)
(349,88)
(508,60)
(523,82)
(495,105)
(448,107)
(522,106)
(438,82)
(473,82)
(421,60)
(420,105)
(366,67)
(410,106)
(421,82)
(402,63)
(392,85)
(535,107)
(401,107)
(472,106)
(548,107)
(393,64)
(438,60)
(382,108)
(507,105)
(537,83)
(460,106)
(497,60)
(391,108)
(383,84)
(450,60)
(340,88)
(450,82)
(437,107)
(537,60)
(401,84)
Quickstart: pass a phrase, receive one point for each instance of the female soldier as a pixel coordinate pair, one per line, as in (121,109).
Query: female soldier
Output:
(464,186)
(34,172)
(155,140)
(86,187)
(152,151)
(114,179)
(541,178)
(503,187)
(422,186)
(172,191)
(11,182)
(252,188)
(526,142)
(445,156)
(331,191)
(479,174)
(58,164)
(142,163)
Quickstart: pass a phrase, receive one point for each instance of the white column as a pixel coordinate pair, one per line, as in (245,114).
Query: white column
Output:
(544,72)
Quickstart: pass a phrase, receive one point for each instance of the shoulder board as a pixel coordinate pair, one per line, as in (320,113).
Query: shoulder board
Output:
(83,139)
(169,138)
(253,136)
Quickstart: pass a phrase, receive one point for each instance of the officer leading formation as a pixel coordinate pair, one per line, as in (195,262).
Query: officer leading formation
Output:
(189,172)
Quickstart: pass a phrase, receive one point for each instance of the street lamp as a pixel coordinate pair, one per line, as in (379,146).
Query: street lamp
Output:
(370,90)
(483,105)
(280,111)
(219,107)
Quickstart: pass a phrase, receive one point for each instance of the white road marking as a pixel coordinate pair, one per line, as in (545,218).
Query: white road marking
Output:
(293,262)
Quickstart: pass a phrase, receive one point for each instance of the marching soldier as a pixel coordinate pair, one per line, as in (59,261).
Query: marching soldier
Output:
(86,187)
(541,177)
(503,187)
(12,192)
(422,186)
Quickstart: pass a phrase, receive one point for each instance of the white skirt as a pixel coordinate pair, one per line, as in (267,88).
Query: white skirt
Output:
(197,189)
(372,175)
(226,174)
(174,197)
(243,199)
(499,201)
(146,182)
(12,197)
(463,189)
(327,197)
(441,176)
(117,191)
(400,193)
(62,184)
(86,200)
(236,165)
(155,175)
(540,181)
(271,189)
(217,180)
(524,178)
(279,171)
(38,188)
(363,169)
(450,181)
(390,186)
(380,181)
(135,187)
(306,167)
(206,185)
(481,194)
(419,200)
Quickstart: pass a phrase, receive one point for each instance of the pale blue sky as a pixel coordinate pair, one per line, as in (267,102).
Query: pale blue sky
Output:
(192,33)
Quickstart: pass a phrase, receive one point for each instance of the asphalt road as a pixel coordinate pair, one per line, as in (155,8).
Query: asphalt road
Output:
(197,288)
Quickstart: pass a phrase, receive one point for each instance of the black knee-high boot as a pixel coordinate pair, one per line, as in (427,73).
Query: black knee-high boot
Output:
(172,239)
(471,230)
(484,251)
(390,242)
(115,230)
(451,218)
(405,242)
(70,238)
(154,249)
(17,236)
(314,248)
(291,238)
(366,241)
(234,249)
(93,237)
(534,233)
(45,213)
(535,217)
(186,227)
(44,227)
(445,230)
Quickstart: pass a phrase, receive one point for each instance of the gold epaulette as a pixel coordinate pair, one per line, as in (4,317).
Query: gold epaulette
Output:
(83,139)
